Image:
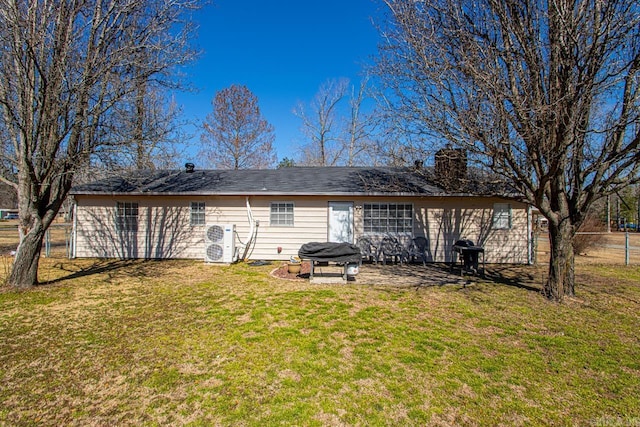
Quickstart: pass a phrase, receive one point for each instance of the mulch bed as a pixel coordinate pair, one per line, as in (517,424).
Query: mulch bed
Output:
(282,272)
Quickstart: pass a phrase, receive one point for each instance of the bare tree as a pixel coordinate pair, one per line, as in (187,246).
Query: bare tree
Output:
(236,135)
(147,134)
(321,124)
(393,146)
(545,93)
(358,137)
(65,68)
(338,134)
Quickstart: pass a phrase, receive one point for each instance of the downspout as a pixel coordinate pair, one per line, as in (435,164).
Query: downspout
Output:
(74,232)
(252,231)
(530,236)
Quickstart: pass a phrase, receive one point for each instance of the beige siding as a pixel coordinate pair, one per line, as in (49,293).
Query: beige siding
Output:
(164,229)
(444,220)
(310,224)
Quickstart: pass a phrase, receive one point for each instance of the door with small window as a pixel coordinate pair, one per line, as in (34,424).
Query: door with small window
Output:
(341,222)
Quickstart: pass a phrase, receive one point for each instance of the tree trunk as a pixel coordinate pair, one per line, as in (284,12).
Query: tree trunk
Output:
(24,273)
(561,280)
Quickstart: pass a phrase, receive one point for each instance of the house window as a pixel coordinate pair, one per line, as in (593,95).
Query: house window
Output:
(198,216)
(501,216)
(380,218)
(281,214)
(127,216)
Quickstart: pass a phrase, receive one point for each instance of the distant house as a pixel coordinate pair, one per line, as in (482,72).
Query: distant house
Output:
(269,214)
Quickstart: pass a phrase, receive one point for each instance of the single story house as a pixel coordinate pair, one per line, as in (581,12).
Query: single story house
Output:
(269,214)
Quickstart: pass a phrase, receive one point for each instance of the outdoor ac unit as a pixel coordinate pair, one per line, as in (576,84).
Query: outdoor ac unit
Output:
(219,243)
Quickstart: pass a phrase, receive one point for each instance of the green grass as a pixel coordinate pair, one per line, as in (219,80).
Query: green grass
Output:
(181,343)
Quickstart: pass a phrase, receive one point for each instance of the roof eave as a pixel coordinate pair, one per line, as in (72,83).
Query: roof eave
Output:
(286,193)
(248,193)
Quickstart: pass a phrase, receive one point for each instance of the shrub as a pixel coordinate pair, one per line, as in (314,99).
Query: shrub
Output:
(582,242)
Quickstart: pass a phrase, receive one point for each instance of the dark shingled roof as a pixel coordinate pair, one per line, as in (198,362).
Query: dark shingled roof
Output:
(284,181)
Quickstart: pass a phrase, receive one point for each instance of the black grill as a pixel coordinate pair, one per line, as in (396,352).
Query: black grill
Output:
(469,256)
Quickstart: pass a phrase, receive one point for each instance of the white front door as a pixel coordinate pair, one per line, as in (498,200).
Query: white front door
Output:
(341,222)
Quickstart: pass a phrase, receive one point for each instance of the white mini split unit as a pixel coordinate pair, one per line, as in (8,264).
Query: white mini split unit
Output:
(219,243)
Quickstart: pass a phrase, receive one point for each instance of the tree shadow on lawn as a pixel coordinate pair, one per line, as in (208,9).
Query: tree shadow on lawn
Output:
(518,276)
(406,275)
(138,268)
(439,274)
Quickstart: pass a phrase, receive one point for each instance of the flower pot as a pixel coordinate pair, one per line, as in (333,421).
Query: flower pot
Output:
(294,268)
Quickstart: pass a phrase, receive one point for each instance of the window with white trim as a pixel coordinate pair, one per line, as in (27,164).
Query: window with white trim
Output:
(198,213)
(127,216)
(381,218)
(501,216)
(281,214)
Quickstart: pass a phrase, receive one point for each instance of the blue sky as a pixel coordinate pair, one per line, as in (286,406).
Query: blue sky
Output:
(282,51)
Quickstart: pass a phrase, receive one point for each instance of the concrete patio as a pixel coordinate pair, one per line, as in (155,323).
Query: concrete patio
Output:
(399,275)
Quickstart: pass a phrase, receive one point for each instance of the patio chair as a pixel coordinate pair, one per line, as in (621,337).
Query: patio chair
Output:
(391,248)
(418,249)
(368,249)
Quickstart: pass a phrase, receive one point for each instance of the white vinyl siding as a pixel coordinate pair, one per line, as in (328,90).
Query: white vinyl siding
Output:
(165,231)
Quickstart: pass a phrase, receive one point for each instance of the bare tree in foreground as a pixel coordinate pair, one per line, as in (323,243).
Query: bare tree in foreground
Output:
(236,135)
(65,68)
(545,93)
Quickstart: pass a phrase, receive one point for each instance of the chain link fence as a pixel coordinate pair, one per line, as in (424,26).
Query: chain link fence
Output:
(615,248)
(57,240)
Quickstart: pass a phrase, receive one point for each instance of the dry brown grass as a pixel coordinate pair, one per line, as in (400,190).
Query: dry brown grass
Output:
(8,236)
(111,342)
(132,342)
(609,250)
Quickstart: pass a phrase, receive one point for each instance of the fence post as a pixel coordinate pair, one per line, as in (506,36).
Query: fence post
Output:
(626,248)
(47,244)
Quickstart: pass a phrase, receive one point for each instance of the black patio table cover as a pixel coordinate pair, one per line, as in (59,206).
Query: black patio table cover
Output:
(329,251)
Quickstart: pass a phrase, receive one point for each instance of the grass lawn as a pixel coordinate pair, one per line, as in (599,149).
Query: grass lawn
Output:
(180,342)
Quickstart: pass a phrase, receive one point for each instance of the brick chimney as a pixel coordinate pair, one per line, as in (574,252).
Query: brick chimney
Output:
(451,168)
